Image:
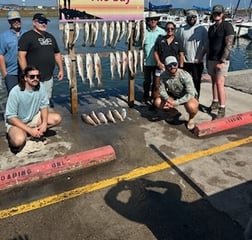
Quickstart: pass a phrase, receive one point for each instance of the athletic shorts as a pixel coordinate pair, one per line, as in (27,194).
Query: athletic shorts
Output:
(211,68)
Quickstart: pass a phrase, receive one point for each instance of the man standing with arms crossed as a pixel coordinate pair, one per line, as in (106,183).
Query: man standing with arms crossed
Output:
(9,50)
(39,48)
(195,42)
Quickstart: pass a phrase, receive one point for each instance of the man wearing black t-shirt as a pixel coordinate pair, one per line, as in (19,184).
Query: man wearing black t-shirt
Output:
(39,48)
(221,36)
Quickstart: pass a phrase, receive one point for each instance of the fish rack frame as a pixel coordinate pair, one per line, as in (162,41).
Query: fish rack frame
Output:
(72,55)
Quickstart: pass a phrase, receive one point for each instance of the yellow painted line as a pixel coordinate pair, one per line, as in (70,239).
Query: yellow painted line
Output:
(138,172)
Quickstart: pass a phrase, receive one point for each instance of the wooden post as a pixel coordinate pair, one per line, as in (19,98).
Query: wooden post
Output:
(73,86)
(131,80)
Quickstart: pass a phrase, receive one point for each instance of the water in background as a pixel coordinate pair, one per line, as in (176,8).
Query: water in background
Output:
(241,58)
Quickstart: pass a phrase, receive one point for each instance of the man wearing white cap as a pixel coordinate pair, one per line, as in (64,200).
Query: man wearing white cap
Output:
(9,50)
(150,66)
(177,88)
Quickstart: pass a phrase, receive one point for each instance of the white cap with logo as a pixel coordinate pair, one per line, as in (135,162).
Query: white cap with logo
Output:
(13,15)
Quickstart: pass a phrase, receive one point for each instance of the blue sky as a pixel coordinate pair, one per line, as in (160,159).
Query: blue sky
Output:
(176,3)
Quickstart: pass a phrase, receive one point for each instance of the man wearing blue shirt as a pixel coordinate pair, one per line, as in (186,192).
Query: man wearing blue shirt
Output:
(9,50)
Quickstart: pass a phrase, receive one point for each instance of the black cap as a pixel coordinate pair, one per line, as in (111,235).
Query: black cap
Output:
(40,17)
(218,9)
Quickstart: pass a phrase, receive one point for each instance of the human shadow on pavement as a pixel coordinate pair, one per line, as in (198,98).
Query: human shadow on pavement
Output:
(159,206)
(20,237)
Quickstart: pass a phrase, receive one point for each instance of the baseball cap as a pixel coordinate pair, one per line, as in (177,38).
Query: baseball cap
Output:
(191,12)
(40,17)
(170,59)
(13,15)
(218,9)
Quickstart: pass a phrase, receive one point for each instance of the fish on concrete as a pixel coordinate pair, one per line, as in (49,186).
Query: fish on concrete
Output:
(95,118)
(87,119)
(123,113)
(110,117)
(102,118)
(117,115)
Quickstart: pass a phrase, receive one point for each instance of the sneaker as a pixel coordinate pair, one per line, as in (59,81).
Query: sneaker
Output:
(214,106)
(221,113)
(191,124)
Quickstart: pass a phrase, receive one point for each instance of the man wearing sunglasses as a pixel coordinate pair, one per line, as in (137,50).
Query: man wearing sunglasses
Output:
(177,88)
(221,37)
(195,42)
(39,48)
(27,110)
(9,50)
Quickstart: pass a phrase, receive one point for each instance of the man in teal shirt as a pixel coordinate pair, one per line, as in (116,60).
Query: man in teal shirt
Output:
(153,31)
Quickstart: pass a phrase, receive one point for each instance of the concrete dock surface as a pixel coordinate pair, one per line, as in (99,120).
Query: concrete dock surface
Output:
(146,138)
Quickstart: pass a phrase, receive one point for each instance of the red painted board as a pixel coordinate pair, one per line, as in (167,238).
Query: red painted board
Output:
(53,167)
(218,125)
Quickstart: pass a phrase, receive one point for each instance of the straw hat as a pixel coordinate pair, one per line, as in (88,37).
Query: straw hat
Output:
(153,14)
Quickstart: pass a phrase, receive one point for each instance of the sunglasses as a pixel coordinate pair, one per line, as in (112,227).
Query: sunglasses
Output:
(42,21)
(217,13)
(15,20)
(33,76)
(173,64)
(170,29)
(154,19)
(192,16)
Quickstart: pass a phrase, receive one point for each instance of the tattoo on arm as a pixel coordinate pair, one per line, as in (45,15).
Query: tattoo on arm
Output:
(229,43)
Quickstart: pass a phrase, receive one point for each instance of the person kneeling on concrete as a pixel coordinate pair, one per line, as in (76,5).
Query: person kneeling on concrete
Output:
(27,110)
(177,88)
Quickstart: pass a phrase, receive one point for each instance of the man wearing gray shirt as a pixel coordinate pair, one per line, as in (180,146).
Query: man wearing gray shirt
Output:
(195,41)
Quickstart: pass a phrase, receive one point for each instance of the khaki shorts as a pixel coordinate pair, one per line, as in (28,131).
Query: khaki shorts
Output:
(33,123)
(211,68)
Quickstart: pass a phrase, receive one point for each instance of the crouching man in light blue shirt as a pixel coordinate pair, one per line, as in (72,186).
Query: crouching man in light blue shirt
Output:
(27,110)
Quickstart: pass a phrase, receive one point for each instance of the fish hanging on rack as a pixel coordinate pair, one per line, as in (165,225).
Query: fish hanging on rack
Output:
(80,67)
(68,65)
(66,35)
(112,64)
(93,35)
(123,30)
(129,31)
(76,32)
(85,34)
(131,63)
(111,32)
(141,60)
(90,69)
(119,64)
(98,69)
(124,63)
(104,33)
(137,31)
(135,57)
(117,33)
(142,32)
